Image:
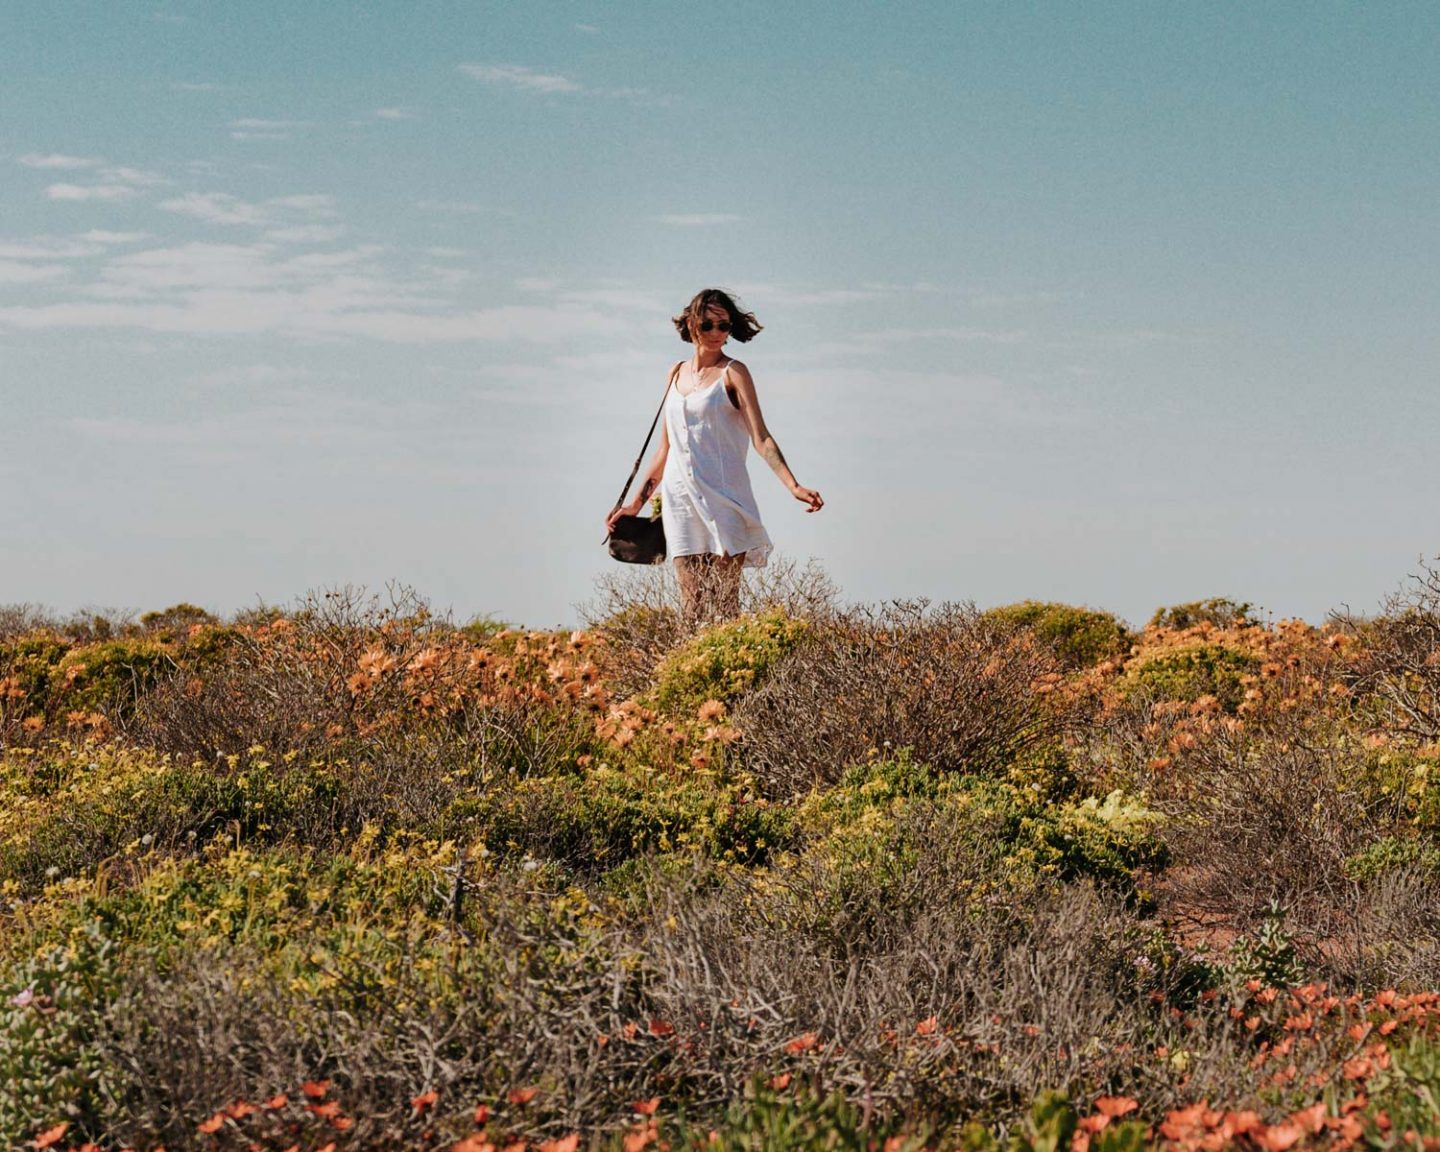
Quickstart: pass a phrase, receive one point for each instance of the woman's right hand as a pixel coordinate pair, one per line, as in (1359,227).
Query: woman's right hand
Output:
(625,510)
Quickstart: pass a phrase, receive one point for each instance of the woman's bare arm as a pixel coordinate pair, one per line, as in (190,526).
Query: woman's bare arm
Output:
(649,483)
(761,437)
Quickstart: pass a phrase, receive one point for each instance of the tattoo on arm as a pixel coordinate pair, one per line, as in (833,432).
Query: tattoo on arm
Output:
(647,489)
(772,455)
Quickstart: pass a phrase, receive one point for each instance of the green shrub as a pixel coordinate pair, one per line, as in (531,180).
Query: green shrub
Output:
(1106,840)
(1389,853)
(484,628)
(1190,673)
(1218,612)
(805,1121)
(593,823)
(66,810)
(1050,1127)
(51,1008)
(867,820)
(175,622)
(1078,637)
(111,675)
(724,662)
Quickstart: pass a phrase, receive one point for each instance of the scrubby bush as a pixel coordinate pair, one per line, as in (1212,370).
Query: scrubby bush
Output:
(964,693)
(1191,672)
(1399,658)
(1077,637)
(724,662)
(591,824)
(1218,612)
(111,676)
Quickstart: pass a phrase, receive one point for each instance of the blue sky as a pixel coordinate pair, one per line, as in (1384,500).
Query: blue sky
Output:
(1118,303)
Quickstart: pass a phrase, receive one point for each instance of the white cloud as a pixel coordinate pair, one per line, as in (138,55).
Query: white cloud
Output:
(314,204)
(76,192)
(699,219)
(216,208)
(138,177)
(56,160)
(13,272)
(394,114)
(188,86)
(47,248)
(253,128)
(101,236)
(588,29)
(460,206)
(96,242)
(223,208)
(519,76)
(252,289)
(306,234)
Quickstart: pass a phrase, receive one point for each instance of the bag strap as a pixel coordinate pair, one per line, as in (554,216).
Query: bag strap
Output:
(674,373)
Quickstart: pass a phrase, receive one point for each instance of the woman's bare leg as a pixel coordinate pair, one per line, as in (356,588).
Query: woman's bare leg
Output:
(725,576)
(709,587)
(688,572)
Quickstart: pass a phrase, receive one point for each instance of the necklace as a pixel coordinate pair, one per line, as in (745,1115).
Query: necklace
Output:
(699,374)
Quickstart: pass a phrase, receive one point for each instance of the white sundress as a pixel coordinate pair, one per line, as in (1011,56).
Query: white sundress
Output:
(706,503)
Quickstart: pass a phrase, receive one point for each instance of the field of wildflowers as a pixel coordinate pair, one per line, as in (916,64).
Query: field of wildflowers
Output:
(348,876)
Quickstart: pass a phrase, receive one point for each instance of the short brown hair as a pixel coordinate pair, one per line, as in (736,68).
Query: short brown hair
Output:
(743,325)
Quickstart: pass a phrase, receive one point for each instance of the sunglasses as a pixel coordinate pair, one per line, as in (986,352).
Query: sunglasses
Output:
(711,325)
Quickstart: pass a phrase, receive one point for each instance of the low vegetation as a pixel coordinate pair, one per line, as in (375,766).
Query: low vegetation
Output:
(347,875)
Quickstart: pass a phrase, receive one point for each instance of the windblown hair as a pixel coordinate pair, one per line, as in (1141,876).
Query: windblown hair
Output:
(743,325)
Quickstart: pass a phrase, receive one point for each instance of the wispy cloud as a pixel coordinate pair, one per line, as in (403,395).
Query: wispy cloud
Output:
(56,160)
(223,208)
(78,192)
(264,289)
(15,272)
(520,77)
(253,128)
(49,248)
(136,177)
(462,207)
(306,234)
(116,182)
(216,208)
(191,86)
(394,114)
(101,236)
(699,219)
(588,29)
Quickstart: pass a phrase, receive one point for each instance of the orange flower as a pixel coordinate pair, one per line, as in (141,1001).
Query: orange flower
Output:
(51,1136)
(1278,1137)
(647,1107)
(802,1043)
(522,1096)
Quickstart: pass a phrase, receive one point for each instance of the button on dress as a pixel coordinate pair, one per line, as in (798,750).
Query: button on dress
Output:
(705,499)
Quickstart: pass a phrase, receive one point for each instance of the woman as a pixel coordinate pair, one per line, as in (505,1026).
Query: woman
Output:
(712,416)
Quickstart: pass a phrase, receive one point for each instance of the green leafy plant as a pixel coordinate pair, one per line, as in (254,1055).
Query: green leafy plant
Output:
(1079,637)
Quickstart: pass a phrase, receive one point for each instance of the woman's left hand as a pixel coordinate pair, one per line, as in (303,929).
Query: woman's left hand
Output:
(808,496)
